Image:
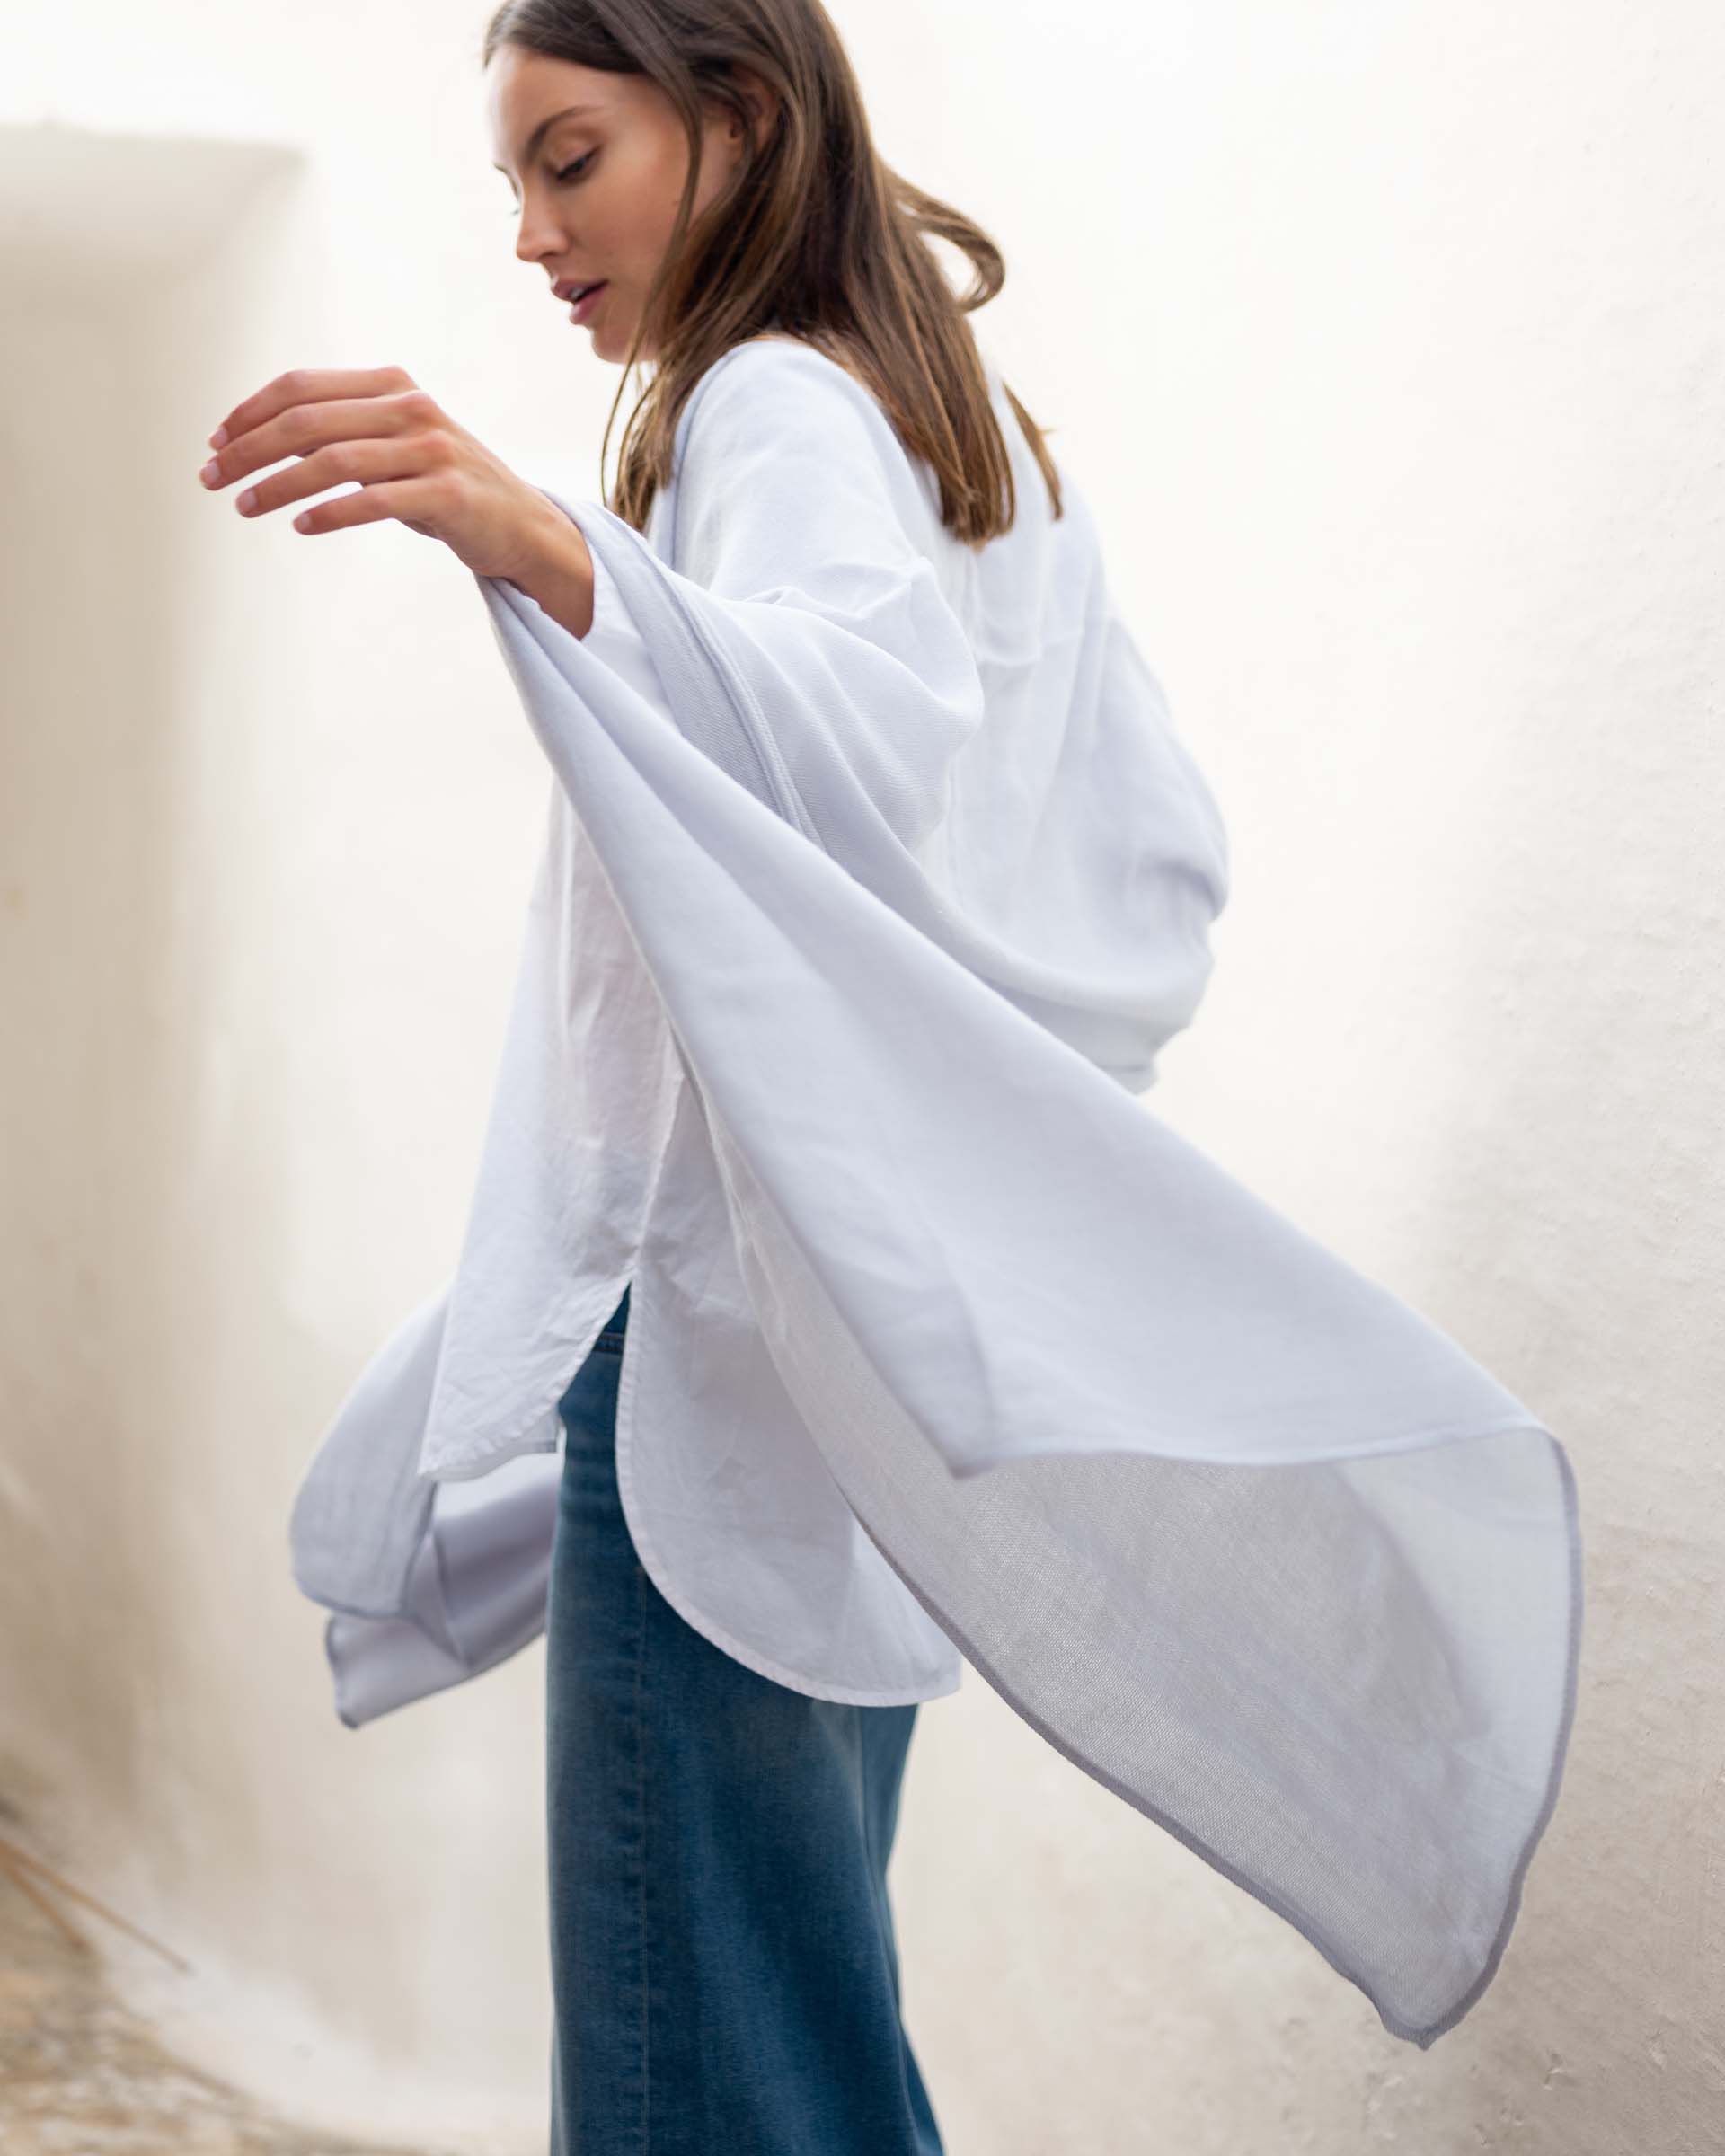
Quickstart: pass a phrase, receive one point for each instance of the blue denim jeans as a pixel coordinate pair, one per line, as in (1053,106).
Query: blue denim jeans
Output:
(724,1971)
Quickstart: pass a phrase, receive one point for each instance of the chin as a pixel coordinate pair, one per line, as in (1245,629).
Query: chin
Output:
(609,344)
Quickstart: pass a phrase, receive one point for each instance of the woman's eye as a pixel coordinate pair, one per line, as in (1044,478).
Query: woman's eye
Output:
(569,172)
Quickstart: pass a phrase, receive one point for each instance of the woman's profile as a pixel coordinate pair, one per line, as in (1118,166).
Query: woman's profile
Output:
(831,1312)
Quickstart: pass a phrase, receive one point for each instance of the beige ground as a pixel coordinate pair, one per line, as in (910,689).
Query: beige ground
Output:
(79,2077)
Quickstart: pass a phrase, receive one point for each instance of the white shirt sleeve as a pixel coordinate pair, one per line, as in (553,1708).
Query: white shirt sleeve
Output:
(615,637)
(802,557)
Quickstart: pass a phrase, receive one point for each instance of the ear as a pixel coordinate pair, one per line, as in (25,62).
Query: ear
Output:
(763,101)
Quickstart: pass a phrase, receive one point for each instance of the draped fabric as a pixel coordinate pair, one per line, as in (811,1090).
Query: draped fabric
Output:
(1233,1527)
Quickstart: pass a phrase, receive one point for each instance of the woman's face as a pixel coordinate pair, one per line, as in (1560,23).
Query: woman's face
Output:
(596,163)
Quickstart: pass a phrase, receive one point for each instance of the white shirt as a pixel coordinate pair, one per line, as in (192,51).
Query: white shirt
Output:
(876,877)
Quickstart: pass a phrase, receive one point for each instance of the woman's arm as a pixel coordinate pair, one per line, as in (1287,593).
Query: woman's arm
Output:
(559,573)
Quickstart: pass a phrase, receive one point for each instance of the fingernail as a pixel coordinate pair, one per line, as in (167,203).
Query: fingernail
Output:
(218,438)
(212,470)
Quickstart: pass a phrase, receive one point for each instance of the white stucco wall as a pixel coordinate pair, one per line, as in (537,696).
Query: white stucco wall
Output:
(1386,343)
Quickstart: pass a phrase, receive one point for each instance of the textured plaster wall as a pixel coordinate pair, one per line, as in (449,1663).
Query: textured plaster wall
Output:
(1386,341)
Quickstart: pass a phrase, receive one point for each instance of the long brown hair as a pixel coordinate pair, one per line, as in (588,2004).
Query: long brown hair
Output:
(817,237)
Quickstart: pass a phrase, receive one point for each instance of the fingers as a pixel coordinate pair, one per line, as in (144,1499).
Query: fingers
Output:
(415,502)
(369,462)
(306,385)
(303,411)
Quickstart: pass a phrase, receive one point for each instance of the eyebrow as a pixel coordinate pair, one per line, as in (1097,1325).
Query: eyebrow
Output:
(541,131)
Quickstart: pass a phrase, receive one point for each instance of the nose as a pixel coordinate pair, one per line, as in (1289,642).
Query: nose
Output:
(535,239)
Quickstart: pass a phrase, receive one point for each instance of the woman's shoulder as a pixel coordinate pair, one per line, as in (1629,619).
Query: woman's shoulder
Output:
(785,339)
(776,389)
(778,357)
(777,411)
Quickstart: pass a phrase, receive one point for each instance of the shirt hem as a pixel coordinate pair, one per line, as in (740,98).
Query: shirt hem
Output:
(848,1695)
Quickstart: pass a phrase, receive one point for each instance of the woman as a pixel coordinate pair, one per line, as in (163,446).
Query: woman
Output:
(875,881)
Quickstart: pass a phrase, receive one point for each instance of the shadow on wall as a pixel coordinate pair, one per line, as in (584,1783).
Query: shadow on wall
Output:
(110,908)
(136,271)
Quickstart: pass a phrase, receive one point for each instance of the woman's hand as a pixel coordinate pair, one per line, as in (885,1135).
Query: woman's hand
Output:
(412,459)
